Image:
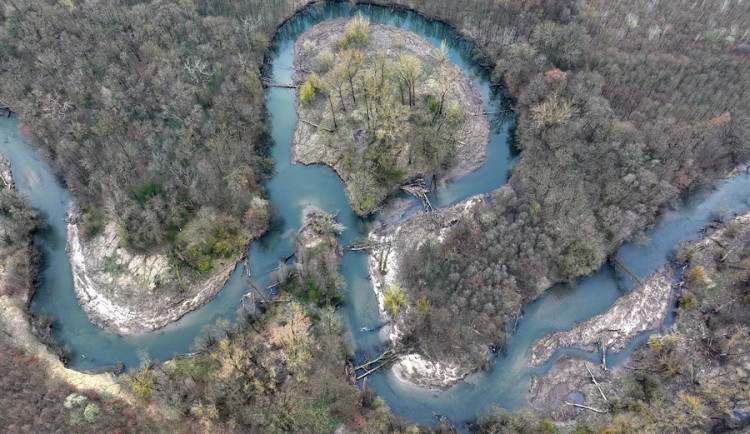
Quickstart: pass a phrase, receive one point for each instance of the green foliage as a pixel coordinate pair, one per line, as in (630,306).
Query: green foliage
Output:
(210,239)
(712,36)
(307,93)
(325,61)
(394,299)
(92,219)
(578,259)
(356,35)
(149,190)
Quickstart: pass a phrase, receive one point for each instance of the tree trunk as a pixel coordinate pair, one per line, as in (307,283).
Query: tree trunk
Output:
(333,113)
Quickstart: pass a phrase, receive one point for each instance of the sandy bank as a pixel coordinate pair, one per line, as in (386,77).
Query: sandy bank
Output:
(14,319)
(383,264)
(643,309)
(128,293)
(569,380)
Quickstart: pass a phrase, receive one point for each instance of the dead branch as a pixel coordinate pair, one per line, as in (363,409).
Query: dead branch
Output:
(419,190)
(586,407)
(385,355)
(718,243)
(316,126)
(596,383)
(627,270)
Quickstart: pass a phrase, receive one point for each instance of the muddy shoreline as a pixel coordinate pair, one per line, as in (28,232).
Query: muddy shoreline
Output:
(17,329)
(571,379)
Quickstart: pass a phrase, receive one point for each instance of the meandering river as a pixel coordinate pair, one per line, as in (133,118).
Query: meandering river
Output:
(295,186)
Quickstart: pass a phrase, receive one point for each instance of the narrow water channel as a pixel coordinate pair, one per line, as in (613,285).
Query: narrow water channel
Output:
(295,186)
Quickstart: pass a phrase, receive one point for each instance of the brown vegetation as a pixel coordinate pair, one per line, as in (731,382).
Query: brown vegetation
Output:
(690,379)
(606,144)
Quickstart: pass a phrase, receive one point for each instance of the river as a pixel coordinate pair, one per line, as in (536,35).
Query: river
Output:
(294,186)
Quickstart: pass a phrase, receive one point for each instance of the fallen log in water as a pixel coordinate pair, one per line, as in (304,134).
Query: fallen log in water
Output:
(419,190)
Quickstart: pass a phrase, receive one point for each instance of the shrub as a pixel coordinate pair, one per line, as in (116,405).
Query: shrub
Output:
(654,342)
(688,301)
(307,93)
(357,33)
(696,276)
(91,412)
(325,61)
(733,229)
(93,220)
(222,249)
(394,299)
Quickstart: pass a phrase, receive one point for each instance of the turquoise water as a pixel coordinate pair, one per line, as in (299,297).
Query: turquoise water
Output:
(295,186)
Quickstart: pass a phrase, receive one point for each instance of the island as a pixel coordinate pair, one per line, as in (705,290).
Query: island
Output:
(383,106)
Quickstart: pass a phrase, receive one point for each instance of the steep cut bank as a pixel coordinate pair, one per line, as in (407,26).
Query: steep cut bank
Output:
(132,293)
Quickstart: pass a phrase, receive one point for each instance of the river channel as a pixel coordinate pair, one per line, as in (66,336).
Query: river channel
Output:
(295,186)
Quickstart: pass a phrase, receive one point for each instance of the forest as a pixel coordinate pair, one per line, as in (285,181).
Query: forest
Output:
(153,110)
(150,113)
(606,143)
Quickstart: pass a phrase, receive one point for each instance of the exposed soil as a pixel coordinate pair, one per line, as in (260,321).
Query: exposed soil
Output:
(710,363)
(569,382)
(129,293)
(383,265)
(16,330)
(643,309)
(309,148)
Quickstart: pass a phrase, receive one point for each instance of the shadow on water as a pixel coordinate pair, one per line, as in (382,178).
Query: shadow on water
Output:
(295,186)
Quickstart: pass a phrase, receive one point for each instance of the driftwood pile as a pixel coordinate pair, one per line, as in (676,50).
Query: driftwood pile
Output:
(418,189)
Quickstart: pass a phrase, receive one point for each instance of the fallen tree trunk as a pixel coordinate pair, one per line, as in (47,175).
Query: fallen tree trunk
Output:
(586,407)
(627,270)
(316,126)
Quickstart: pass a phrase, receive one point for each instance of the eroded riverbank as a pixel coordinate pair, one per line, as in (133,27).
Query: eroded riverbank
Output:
(690,375)
(131,293)
(384,260)
(460,402)
(17,271)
